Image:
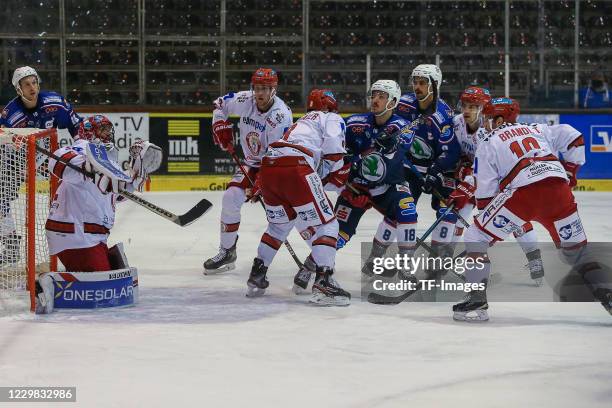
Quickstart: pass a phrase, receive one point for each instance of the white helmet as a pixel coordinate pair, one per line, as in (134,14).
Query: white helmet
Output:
(431,72)
(21,73)
(392,89)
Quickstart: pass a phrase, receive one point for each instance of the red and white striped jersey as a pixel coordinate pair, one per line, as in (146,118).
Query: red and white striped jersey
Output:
(515,155)
(80,215)
(318,137)
(257,129)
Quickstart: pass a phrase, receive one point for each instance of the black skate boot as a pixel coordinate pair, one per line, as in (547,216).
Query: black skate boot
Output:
(223,261)
(535,266)
(11,251)
(605,297)
(326,291)
(257,282)
(304,275)
(473,308)
(378,250)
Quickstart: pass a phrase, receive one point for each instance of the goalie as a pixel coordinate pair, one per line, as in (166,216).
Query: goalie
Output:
(82,212)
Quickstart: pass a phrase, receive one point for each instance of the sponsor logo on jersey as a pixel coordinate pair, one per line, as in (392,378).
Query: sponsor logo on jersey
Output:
(373,167)
(253,143)
(50,109)
(252,122)
(500,221)
(601,139)
(276,213)
(51,99)
(308,215)
(343,212)
(357,128)
(420,149)
(271,122)
(407,202)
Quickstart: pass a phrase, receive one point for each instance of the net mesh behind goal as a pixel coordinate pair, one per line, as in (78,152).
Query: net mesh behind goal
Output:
(25,192)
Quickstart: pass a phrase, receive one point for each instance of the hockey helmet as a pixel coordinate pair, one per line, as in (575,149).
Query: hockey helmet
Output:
(97,129)
(475,95)
(429,71)
(322,99)
(265,77)
(21,73)
(507,108)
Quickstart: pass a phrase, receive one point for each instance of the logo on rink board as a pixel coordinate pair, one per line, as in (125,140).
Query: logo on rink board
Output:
(601,139)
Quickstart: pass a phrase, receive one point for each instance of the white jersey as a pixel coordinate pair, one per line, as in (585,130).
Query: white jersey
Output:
(515,155)
(318,137)
(564,140)
(80,215)
(468,141)
(257,129)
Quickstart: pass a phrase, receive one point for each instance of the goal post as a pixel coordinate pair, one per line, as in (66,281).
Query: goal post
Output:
(26,191)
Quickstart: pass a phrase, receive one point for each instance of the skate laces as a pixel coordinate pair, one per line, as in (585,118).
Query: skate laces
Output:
(534,265)
(220,255)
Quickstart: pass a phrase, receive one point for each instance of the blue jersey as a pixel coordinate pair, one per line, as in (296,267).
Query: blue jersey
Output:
(375,170)
(434,137)
(51,111)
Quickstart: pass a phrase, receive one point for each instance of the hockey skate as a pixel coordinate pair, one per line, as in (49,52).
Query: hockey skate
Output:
(224,261)
(378,250)
(11,250)
(605,297)
(44,294)
(326,291)
(473,308)
(535,266)
(304,276)
(257,283)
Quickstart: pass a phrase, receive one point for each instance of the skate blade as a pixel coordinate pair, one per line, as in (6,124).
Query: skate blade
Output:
(224,268)
(298,290)
(472,316)
(320,299)
(254,291)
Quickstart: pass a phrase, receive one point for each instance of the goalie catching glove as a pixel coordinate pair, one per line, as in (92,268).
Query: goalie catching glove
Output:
(145,158)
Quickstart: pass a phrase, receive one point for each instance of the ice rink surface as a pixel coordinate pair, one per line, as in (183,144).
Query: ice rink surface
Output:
(196,340)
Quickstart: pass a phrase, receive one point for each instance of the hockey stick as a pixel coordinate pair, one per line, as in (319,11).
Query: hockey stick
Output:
(436,193)
(252,183)
(183,220)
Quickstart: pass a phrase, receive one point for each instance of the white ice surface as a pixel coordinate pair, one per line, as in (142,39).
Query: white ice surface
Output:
(196,340)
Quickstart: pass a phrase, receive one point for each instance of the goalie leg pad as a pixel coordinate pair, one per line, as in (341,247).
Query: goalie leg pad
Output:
(92,290)
(117,257)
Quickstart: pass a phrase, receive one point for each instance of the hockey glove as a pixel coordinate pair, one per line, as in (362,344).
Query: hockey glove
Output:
(145,158)
(357,200)
(223,135)
(339,177)
(253,194)
(433,179)
(571,170)
(109,185)
(462,195)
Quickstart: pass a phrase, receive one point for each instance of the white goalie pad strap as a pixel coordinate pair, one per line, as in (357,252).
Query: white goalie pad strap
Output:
(91,290)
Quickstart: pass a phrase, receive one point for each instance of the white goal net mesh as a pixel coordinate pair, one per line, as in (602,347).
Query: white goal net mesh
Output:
(20,195)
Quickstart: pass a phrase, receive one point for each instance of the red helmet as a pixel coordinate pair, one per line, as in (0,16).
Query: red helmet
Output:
(476,95)
(507,108)
(322,99)
(264,76)
(97,129)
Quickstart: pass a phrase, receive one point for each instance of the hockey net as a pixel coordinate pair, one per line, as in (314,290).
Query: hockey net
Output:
(25,195)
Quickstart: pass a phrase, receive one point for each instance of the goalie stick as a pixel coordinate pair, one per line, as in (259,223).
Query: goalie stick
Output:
(252,183)
(182,220)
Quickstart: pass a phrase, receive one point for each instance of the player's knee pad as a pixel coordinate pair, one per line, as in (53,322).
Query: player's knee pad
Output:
(528,241)
(117,257)
(92,290)
(329,229)
(325,243)
(279,231)
(476,240)
(233,198)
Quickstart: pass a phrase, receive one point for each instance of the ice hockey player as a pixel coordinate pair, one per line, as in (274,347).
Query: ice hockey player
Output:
(292,175)
(264,118)
(32,108)
(566,142)
(82,212)
(378,142)
(514,168)
(435,150)
(468,130)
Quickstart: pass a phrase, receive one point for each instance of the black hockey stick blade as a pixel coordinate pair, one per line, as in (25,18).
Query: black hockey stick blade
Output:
(196,212)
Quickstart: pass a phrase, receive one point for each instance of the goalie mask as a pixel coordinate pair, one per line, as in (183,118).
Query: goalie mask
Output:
(97,129)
